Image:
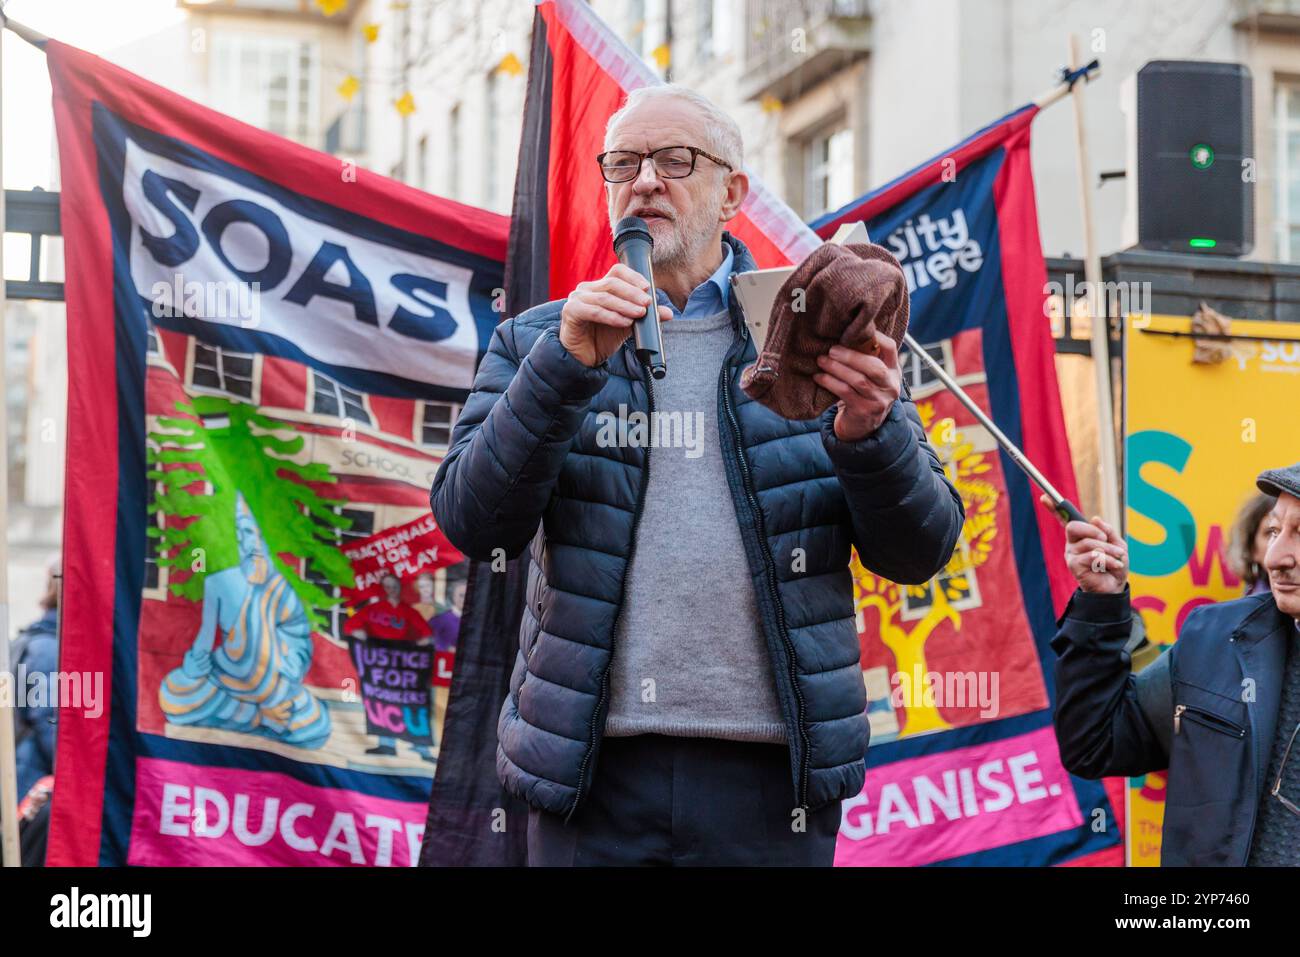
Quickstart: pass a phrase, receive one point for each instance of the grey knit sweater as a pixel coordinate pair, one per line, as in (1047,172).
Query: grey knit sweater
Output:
(689,654)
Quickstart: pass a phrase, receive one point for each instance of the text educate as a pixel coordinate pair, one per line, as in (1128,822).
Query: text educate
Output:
(298,828)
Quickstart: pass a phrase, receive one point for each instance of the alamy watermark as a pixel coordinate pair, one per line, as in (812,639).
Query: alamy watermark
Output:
(949,689)
(657,429)
(210,299)
(82,690)
(1127,298)
(74,909)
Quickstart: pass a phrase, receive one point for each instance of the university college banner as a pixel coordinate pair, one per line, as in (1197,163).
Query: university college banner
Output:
(267,348)
(963,766)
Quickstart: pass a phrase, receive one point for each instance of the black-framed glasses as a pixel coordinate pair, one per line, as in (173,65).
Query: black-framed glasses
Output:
(1277,785)
(671,162)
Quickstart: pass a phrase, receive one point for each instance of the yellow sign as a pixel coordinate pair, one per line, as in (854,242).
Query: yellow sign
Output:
(1196,435)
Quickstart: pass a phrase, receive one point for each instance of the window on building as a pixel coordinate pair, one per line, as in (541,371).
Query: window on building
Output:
(492,139)
(703,30)
(354,117)
(1287,193)
(422,163)
(397,74)
(721,32)
(153,572)
(828,166)
(453,153)
(363,526)
(436,423)
(961,588)
(636,26)
(916,373)
(271,82)
(330,398)
(222,371)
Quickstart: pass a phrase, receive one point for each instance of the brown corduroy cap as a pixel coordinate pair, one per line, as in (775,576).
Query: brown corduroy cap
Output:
(848,291)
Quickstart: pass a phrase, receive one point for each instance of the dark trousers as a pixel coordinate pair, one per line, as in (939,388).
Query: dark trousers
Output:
(663,800)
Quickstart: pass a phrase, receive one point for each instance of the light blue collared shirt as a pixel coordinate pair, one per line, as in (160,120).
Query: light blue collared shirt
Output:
(708,298)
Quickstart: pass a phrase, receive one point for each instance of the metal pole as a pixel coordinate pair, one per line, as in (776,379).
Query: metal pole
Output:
(1107,457)
(27,33)
(8,761)
(1065,509)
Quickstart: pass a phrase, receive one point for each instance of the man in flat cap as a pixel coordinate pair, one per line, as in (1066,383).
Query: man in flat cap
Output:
(1220,709)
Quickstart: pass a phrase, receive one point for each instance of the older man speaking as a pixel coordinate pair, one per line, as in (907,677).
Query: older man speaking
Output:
(688,688)
(1220,709)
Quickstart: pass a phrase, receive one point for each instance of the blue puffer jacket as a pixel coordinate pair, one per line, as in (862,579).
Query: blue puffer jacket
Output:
(525,453)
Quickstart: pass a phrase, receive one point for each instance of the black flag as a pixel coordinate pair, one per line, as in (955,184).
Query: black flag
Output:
(472,820)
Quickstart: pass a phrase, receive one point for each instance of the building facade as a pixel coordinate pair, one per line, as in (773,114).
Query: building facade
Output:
(834,97)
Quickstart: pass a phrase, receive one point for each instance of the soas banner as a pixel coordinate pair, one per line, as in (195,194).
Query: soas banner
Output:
(267,352)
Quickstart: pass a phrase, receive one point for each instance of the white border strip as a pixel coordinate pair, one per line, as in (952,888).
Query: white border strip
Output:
(606,48)
(773,217)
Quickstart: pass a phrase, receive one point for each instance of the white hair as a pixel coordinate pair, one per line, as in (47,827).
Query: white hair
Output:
(721,132)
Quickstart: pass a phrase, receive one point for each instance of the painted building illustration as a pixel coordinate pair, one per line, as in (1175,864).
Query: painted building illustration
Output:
(255,451)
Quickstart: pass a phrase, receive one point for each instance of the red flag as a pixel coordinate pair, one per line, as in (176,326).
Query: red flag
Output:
(581,73)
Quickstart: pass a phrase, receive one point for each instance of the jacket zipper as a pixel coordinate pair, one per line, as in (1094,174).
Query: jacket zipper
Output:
(1213,721)
(1207,718)
(1255,752)
(622,595)
(770,565)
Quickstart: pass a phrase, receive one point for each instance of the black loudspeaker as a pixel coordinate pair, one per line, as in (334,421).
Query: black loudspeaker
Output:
(1196,164)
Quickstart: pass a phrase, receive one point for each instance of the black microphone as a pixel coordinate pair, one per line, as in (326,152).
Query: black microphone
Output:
(633,245)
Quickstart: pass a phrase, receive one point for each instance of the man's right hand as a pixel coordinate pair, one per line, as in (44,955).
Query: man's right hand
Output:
(597,317)
(1097,556)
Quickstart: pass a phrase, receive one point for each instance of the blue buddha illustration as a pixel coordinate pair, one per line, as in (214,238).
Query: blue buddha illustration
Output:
(252,682)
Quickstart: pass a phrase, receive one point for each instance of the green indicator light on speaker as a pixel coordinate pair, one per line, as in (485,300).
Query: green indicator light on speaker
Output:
(1202,156)
(1200,242)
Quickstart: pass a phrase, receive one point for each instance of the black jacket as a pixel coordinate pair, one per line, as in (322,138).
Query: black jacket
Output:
(1206,710)
(525,465)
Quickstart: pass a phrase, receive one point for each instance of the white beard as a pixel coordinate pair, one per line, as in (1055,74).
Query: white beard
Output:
(689,236)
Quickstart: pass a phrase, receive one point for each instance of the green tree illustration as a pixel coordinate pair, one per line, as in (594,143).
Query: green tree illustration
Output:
(240,450)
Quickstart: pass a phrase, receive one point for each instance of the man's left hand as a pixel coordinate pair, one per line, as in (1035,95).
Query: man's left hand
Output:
(866,384)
